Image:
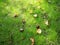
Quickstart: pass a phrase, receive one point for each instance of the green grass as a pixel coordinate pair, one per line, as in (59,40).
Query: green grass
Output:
(10,26)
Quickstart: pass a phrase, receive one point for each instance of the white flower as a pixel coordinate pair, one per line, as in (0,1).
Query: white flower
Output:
(46,22)
(35,15)
(39,31)
(21,29)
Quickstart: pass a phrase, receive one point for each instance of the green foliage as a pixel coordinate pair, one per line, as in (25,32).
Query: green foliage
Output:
(10,26)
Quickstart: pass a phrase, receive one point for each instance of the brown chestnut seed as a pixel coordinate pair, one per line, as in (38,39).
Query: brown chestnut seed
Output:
(15,15)
(37,26)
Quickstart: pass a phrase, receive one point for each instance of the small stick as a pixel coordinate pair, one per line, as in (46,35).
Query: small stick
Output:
(32,40)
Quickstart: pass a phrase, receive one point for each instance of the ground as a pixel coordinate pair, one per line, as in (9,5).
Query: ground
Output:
(12,12)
